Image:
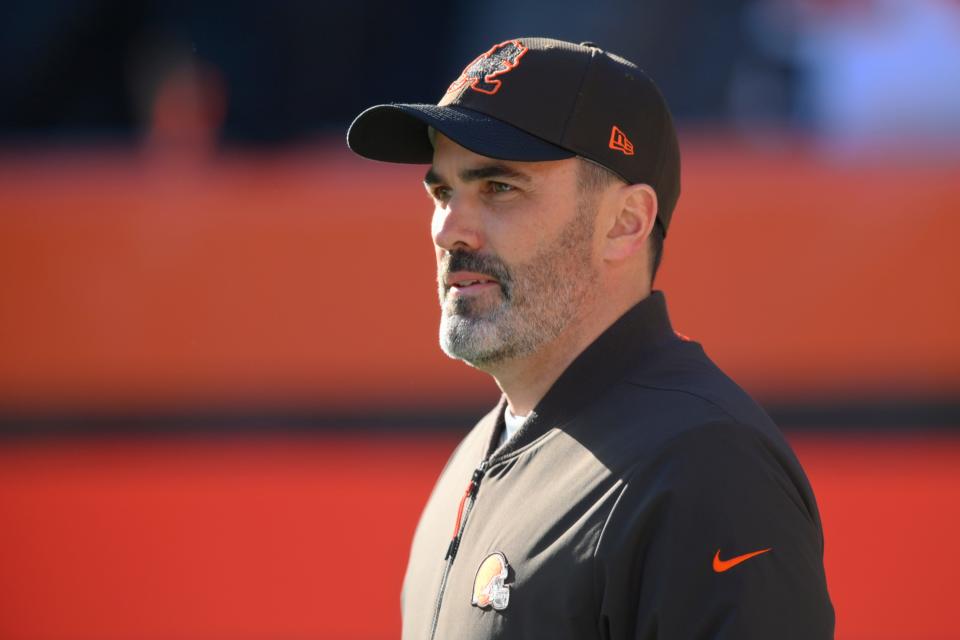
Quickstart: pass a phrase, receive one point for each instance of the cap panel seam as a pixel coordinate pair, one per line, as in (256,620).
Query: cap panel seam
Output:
(668,125)
(579,98)
(662,146)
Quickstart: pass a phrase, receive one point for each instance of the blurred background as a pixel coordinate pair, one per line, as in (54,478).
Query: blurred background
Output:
(222,404)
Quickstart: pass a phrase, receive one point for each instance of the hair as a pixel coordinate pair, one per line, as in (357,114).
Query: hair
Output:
(592,178)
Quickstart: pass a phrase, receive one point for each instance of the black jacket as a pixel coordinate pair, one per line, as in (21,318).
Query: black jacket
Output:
(624,507)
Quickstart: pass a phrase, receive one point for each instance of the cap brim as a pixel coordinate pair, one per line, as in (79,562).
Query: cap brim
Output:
(398,133)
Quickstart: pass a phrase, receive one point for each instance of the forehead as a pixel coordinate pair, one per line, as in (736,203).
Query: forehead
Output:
(450,161)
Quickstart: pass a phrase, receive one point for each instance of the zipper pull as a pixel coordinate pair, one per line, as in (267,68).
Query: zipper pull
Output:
(476,478)
(470,493)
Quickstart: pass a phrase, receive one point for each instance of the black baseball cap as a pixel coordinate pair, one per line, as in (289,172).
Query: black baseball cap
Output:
(535,99)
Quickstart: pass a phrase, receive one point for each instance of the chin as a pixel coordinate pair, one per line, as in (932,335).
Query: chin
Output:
(474,341)
(480,345)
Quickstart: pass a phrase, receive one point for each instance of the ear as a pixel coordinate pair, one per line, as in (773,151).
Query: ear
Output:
(635,214)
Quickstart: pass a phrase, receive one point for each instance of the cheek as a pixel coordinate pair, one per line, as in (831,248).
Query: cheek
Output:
(541,231)
(516,233)
(436,224)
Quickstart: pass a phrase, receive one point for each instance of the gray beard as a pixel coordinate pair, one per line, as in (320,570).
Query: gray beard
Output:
(545,296)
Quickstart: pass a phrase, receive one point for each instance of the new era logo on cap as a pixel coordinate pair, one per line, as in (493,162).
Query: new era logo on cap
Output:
(620,142)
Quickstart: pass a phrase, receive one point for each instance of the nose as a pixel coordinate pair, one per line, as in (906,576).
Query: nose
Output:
(457,225)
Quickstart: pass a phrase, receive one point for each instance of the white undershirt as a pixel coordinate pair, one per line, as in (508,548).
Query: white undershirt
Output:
(512,423)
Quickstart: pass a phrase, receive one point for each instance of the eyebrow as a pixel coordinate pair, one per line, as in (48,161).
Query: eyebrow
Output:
(479,173)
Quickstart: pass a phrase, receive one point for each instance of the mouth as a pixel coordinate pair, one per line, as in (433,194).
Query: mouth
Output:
(469,282)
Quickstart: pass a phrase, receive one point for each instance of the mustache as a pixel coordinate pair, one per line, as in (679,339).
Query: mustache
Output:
(488,265)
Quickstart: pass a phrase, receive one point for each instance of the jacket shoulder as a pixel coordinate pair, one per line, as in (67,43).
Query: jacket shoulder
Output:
(683,374)
(675,401)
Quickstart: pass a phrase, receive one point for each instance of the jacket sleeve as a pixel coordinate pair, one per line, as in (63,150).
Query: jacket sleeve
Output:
(672,559)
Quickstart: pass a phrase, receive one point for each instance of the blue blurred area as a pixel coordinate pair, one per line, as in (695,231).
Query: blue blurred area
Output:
(287,69)
(291,69)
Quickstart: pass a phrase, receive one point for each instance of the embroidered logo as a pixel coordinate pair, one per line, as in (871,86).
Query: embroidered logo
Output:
(620,142)
(488,587)
(483,73)
(725,565)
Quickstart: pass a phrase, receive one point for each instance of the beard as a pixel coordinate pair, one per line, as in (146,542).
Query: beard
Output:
(536,300)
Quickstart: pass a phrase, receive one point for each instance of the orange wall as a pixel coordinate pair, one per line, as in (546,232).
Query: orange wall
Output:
(131,282)
(137,283)
(261,538)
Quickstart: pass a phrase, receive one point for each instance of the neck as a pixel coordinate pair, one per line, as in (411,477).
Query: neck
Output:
(525,380)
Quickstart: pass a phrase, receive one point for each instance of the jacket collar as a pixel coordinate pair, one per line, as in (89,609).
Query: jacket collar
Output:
(643,328)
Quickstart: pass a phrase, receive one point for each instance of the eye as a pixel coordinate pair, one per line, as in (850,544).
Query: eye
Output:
(501,187)
(441,193)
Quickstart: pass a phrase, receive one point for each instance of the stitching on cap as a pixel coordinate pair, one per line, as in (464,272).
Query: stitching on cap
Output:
(664,134)
(576,105)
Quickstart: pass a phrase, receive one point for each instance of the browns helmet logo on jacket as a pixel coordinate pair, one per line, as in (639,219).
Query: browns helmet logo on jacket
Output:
(481,74)
(489,589)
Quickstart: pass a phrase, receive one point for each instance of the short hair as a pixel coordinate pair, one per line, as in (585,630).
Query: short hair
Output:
(591,178)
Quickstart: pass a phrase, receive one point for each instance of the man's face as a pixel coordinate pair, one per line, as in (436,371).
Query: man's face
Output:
(514,245)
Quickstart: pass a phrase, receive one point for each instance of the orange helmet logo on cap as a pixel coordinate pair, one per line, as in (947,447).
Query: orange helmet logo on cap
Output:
(481,74)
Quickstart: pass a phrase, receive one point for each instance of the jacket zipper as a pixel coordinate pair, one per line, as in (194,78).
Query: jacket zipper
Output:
(463,512)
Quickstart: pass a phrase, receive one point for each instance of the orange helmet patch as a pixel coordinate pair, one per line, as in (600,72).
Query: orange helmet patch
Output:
(489,589)
(482,74)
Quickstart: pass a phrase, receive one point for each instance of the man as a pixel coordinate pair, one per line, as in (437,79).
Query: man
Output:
(623,487)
